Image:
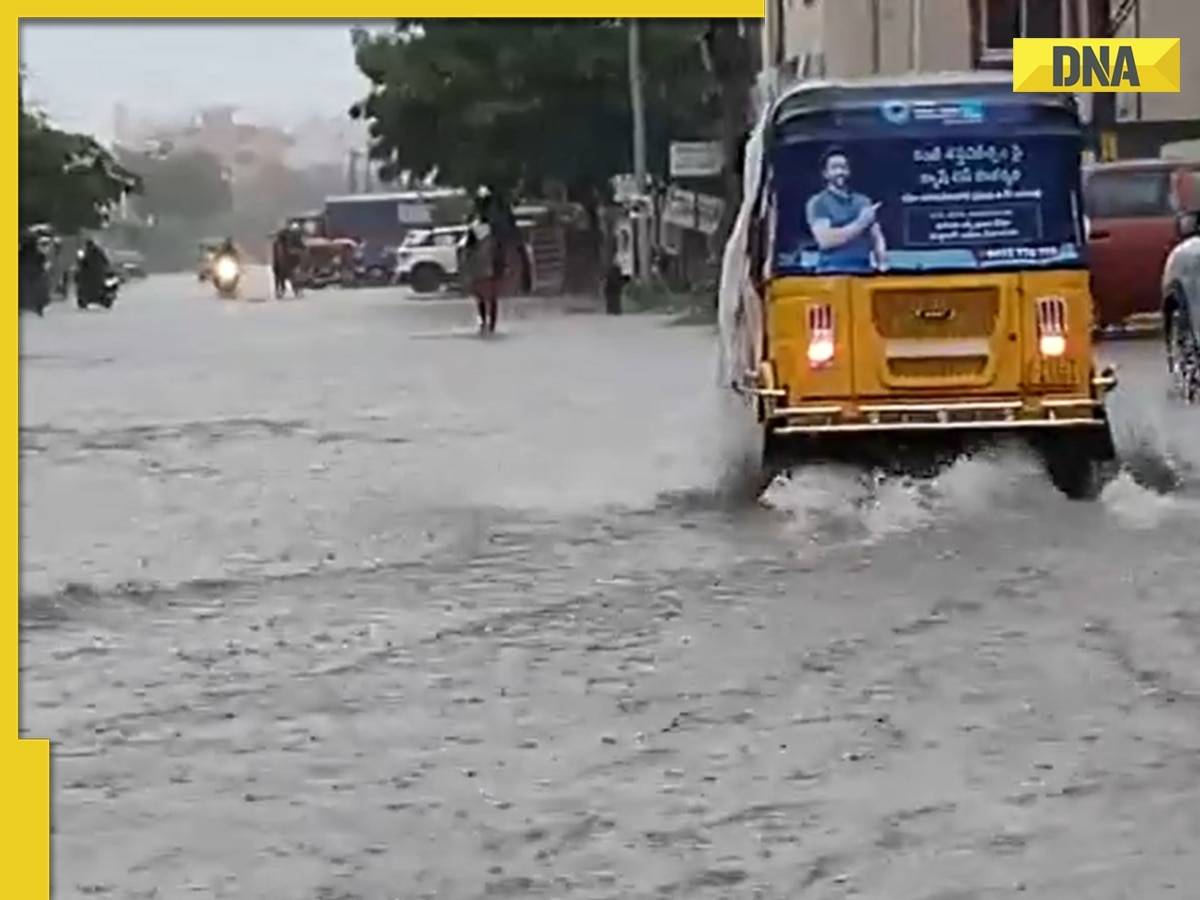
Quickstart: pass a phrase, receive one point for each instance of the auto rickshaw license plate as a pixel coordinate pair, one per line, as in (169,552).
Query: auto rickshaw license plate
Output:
(1058,371)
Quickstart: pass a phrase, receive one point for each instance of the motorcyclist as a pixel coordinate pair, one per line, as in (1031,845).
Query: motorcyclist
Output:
(93,268)
(229,248)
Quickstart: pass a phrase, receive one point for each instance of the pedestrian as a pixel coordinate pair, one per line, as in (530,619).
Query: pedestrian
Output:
(483,263)
(287,256)
(297,255)
(33,279)
(279,264)
(614,286)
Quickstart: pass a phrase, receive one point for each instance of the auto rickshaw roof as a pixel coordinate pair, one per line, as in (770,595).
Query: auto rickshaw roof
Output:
(994,88)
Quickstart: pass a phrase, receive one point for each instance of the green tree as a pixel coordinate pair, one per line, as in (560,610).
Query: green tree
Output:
(66,180)
(522,102)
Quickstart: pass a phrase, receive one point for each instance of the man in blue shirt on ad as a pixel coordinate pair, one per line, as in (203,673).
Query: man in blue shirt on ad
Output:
(843,223)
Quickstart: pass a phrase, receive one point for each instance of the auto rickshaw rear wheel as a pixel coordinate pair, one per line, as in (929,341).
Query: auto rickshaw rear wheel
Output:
(1077,472)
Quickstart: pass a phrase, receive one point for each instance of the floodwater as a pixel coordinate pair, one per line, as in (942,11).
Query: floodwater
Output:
(333,599)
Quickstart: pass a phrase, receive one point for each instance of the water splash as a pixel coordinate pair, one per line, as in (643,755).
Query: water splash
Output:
(1135,506)
(852,503)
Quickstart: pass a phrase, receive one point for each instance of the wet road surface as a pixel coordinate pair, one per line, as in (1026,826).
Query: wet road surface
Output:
(332,599)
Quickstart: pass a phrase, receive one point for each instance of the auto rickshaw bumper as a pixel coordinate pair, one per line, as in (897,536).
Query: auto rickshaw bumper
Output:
(840,429)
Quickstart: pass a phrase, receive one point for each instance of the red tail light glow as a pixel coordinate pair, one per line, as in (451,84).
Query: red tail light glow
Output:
(820,335)
(1052,326)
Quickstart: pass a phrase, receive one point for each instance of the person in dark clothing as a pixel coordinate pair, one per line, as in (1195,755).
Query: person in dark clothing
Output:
(483,263)
(614,287)
(93,268)
(280,264)
(287,256)
(33,279)
(507,247)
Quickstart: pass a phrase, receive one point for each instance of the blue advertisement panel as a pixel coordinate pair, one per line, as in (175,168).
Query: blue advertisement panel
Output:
(938,197)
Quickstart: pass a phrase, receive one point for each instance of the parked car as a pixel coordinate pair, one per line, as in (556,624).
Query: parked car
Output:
(428,258)
(1181,306)
(1132,208)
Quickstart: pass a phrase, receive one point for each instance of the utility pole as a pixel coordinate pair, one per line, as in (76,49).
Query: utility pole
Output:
(918,24)
(637,104)
(876,42)
(352,173)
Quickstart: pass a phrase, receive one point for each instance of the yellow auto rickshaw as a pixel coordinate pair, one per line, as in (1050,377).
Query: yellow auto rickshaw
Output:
(908,278)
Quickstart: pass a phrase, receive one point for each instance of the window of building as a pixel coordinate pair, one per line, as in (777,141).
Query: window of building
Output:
(1001,21)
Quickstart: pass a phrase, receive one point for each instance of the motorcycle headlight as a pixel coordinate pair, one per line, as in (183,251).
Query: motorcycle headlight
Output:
(227,269)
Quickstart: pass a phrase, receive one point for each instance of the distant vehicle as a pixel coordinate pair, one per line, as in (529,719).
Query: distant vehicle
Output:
(1132,208)
(1181,306)
(428,258)
(328,262)
(226,276)
(311,224)
(380,222)
(208,252)
(128,264)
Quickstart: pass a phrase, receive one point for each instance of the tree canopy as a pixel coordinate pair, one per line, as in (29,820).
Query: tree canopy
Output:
(514,102)
(66,180)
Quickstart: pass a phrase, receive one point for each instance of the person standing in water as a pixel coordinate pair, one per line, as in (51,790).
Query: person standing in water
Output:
(483,262)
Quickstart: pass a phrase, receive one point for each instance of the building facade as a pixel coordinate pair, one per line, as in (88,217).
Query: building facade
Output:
(849,38)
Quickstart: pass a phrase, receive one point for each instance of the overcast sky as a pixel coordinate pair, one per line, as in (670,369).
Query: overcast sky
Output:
(277,72)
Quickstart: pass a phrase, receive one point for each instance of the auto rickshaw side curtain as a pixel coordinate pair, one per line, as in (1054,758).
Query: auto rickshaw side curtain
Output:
(740,312)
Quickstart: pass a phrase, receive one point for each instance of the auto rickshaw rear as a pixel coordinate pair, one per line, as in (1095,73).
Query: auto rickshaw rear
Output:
(918,250)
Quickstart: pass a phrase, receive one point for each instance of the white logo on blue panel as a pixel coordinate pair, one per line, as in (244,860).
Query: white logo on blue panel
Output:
(897,112)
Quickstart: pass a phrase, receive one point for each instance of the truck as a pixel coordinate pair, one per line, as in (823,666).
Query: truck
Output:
(379,223)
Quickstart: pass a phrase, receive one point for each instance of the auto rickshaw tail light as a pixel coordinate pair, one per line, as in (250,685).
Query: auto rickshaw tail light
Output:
(1052,326)
(820,335)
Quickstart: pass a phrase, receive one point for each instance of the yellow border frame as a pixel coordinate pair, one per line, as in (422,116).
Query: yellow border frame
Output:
(25,869)
(26,763)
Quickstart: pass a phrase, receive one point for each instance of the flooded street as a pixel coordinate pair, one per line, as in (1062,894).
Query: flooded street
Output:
(332,599)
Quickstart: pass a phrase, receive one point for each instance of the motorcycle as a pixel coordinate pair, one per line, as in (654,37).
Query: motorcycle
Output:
(105,296)
(226,275)
(33,286)
(34,293)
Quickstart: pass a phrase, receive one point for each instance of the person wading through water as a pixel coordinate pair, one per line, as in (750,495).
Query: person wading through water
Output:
(287,256)
(491,238)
